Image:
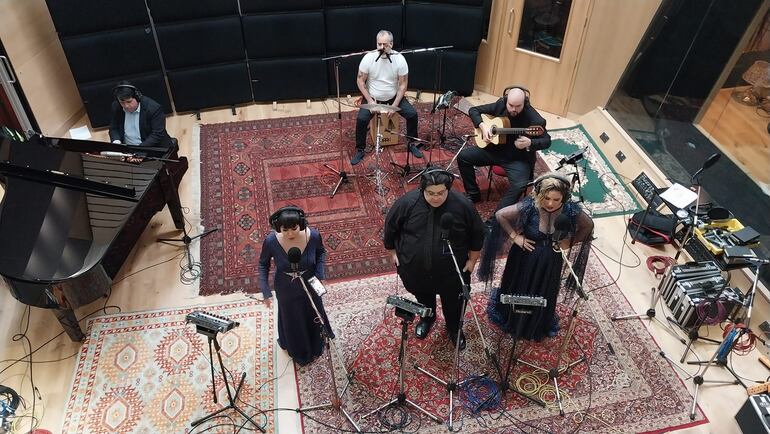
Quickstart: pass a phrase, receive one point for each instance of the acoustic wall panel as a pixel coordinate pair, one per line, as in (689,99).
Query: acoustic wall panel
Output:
(210,86)
(165,11)
(292,34)
(288,78)
(458,69)
(434,24)
(118,53)
(257,6)
(355,28)
(201,42)
(77,17)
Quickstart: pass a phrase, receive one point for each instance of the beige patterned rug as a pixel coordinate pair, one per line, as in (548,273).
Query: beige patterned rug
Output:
(148,372)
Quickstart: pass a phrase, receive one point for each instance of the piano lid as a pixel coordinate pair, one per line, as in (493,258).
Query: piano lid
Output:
(62,209)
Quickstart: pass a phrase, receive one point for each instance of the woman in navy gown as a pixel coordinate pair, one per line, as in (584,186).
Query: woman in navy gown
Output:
(299,328)
(534,264)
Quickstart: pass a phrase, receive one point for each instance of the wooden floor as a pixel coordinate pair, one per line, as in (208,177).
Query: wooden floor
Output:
(151,283)
(740,131)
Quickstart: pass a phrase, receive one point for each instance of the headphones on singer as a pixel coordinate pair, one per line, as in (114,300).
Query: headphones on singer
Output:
(523,89)
(431,176)
(136,93)
(566,185)
(276,217)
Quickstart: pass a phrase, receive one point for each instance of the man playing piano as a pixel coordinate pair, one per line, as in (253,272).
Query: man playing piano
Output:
(516,155)
(136,119)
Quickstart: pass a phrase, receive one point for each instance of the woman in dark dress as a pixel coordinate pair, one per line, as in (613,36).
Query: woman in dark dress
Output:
(299,328)
(534,266)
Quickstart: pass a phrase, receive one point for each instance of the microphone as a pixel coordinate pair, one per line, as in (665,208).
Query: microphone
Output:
(561,228)
(115,155)
(447,220)
(572,158)
(710,161)
(294,255)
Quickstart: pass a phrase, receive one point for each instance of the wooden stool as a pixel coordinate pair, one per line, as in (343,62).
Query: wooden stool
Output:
(392,124)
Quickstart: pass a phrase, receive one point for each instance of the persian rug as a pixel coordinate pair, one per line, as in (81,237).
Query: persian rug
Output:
(250,169)
(603,193)
(148,372)
(623,386)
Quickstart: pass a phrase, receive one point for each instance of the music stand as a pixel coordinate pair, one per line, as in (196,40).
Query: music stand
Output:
(344,177)
(232,399)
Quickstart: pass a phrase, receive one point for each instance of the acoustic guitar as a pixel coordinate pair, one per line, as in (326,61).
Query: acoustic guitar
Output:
(502,127)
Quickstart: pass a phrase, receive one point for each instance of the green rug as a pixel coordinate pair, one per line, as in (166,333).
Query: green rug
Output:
(604,194)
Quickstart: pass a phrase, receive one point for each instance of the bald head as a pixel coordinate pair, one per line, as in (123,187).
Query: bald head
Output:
(515,101)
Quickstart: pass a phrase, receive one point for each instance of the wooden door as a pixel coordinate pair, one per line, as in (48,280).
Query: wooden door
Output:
(549,79)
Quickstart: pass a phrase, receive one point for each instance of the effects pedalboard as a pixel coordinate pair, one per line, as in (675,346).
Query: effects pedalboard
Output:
(647,190)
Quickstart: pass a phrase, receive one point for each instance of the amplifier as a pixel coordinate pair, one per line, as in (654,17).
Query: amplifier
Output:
(754,415)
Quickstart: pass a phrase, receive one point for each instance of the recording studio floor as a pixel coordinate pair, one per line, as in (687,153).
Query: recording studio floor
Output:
(159,286)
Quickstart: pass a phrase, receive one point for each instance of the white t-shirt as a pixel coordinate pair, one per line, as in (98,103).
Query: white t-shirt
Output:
(382,82)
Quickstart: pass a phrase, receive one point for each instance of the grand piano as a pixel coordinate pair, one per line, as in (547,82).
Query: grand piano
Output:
(70,216)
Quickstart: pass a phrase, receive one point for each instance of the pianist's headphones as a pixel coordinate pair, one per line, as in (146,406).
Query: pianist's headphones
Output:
(135,93)
(436,177)
(565,184)
(523,89)
(275,218)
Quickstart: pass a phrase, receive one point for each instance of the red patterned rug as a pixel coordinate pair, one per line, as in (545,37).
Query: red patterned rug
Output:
(148,372)
(250,169)
(624,386)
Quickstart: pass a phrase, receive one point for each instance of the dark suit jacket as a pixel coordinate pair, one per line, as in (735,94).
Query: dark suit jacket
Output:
(152,123)
(528,117)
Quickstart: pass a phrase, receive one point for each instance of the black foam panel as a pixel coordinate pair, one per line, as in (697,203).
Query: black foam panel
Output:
(432,25)
(210,86)
(453,2)
(76,17)
(283,79)
(348,71)
(97,96)
(458,69)
(358,2)
(97,56)
(293,34)
(355,28)
(164,11)
(257,6)
(195,43)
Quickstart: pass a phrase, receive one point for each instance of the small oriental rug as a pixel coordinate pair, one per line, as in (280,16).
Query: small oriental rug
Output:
(148,372)
(625,386)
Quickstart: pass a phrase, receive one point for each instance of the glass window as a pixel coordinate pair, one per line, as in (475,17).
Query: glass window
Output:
(543,24)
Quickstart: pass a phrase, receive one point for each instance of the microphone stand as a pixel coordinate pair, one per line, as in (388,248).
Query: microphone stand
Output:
(557,369)
(719,358)
(335,400)
(344,177)
(437,84)
(452,384)
(406,169)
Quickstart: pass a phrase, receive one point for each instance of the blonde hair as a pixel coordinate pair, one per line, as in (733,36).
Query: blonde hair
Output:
(548,184)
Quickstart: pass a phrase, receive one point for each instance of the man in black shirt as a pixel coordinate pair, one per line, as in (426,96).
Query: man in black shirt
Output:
(414,237)
(516,156)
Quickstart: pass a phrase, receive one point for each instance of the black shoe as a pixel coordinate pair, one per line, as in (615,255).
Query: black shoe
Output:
(423,327)
(453,339)
(475,198)
(357,158)
(415,150)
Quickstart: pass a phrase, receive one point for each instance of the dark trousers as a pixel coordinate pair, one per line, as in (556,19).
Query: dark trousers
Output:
(364,116)
(426,285)
(519,173)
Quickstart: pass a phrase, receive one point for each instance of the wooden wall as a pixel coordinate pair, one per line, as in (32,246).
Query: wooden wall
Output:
(614,31)
(34,49)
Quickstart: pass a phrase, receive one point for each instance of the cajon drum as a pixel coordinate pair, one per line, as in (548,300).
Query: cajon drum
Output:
(392,124)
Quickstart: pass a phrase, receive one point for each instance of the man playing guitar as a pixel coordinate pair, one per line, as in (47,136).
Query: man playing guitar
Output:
(516,154)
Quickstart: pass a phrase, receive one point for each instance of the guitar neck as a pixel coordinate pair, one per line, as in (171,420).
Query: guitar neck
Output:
(506,131)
